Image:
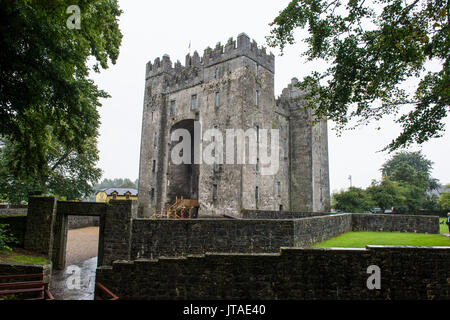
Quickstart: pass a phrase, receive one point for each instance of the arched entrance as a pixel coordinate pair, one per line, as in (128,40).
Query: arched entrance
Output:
(182,179)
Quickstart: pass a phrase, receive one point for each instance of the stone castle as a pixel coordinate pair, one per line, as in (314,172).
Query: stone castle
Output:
(231,86)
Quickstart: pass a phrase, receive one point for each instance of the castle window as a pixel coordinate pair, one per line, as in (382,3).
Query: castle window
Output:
(286,148)
(257,134)
(172,107)
(257,97)
(153,165)
(155,139)
(152,116)
(214,192)
(127,196)
(217,99)
(216,75)
(194,102)
(321,197)
(279,189)
(256,196)
(152,194)
(281,207)
(257,164)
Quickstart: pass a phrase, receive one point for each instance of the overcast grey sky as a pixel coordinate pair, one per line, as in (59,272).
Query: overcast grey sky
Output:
(154,28)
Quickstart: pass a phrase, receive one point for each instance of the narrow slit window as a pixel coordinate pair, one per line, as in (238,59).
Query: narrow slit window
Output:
(217,99)
(214,192)
(216,75)
(194,101)
(173,107)
(152,194)
(257,97)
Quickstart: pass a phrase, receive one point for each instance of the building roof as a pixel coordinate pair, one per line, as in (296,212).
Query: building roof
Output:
(120,191)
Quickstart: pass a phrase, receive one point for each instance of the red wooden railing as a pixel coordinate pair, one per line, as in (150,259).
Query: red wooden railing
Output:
(101,289)
(26,285)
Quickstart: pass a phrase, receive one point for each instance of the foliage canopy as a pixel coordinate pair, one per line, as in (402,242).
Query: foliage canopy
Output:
(372,48)
(48,104)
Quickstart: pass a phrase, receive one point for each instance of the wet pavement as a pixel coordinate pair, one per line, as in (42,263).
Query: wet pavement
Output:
(75,282)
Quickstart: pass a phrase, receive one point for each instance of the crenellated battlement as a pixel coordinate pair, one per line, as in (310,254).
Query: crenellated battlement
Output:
(221,53)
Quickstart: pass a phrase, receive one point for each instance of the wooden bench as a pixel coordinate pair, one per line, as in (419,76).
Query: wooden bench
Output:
(28,283)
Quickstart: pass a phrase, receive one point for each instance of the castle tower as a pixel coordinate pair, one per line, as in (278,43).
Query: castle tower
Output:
(229,87)
(308,144)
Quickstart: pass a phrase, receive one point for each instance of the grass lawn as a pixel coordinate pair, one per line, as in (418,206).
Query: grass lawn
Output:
(362,238)
(22,256)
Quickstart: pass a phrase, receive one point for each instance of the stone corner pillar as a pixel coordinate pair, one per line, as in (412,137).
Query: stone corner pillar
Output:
(39,225)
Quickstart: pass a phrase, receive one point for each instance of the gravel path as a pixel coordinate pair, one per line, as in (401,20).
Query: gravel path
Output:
(82,244)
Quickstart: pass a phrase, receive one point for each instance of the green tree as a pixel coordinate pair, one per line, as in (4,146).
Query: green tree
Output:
(386,194)
(414,198)
(116,183)
(444,198)
(70,174)
(372,48)
(6,238)
(411,167)
(352,200)
(412,172)
(47,100)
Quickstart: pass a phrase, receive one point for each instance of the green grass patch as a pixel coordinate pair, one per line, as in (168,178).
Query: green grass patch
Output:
(362,238)
(21,257)
(443,228)
(13,215)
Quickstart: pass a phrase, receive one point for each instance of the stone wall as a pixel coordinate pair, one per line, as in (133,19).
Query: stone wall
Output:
(17,226)
(155,238)
(294,273)
(75,222)
(13,268)
(267,214)
(39,233)
(309,231)
(127,238)
(115,231)
(13,211)
(395,223)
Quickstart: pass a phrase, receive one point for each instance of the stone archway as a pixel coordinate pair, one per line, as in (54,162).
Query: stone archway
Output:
(182,179)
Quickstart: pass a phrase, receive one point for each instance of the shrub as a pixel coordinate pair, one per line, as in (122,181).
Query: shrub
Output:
(6,238)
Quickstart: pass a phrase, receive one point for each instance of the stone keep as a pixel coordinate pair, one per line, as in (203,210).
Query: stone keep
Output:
(230,87)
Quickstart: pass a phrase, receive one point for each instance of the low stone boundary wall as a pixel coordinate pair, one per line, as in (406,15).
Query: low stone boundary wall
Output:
(154,238)
(395,223)
(310,231)
(267,214)
(13,211)
(13,268)
(294,273)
